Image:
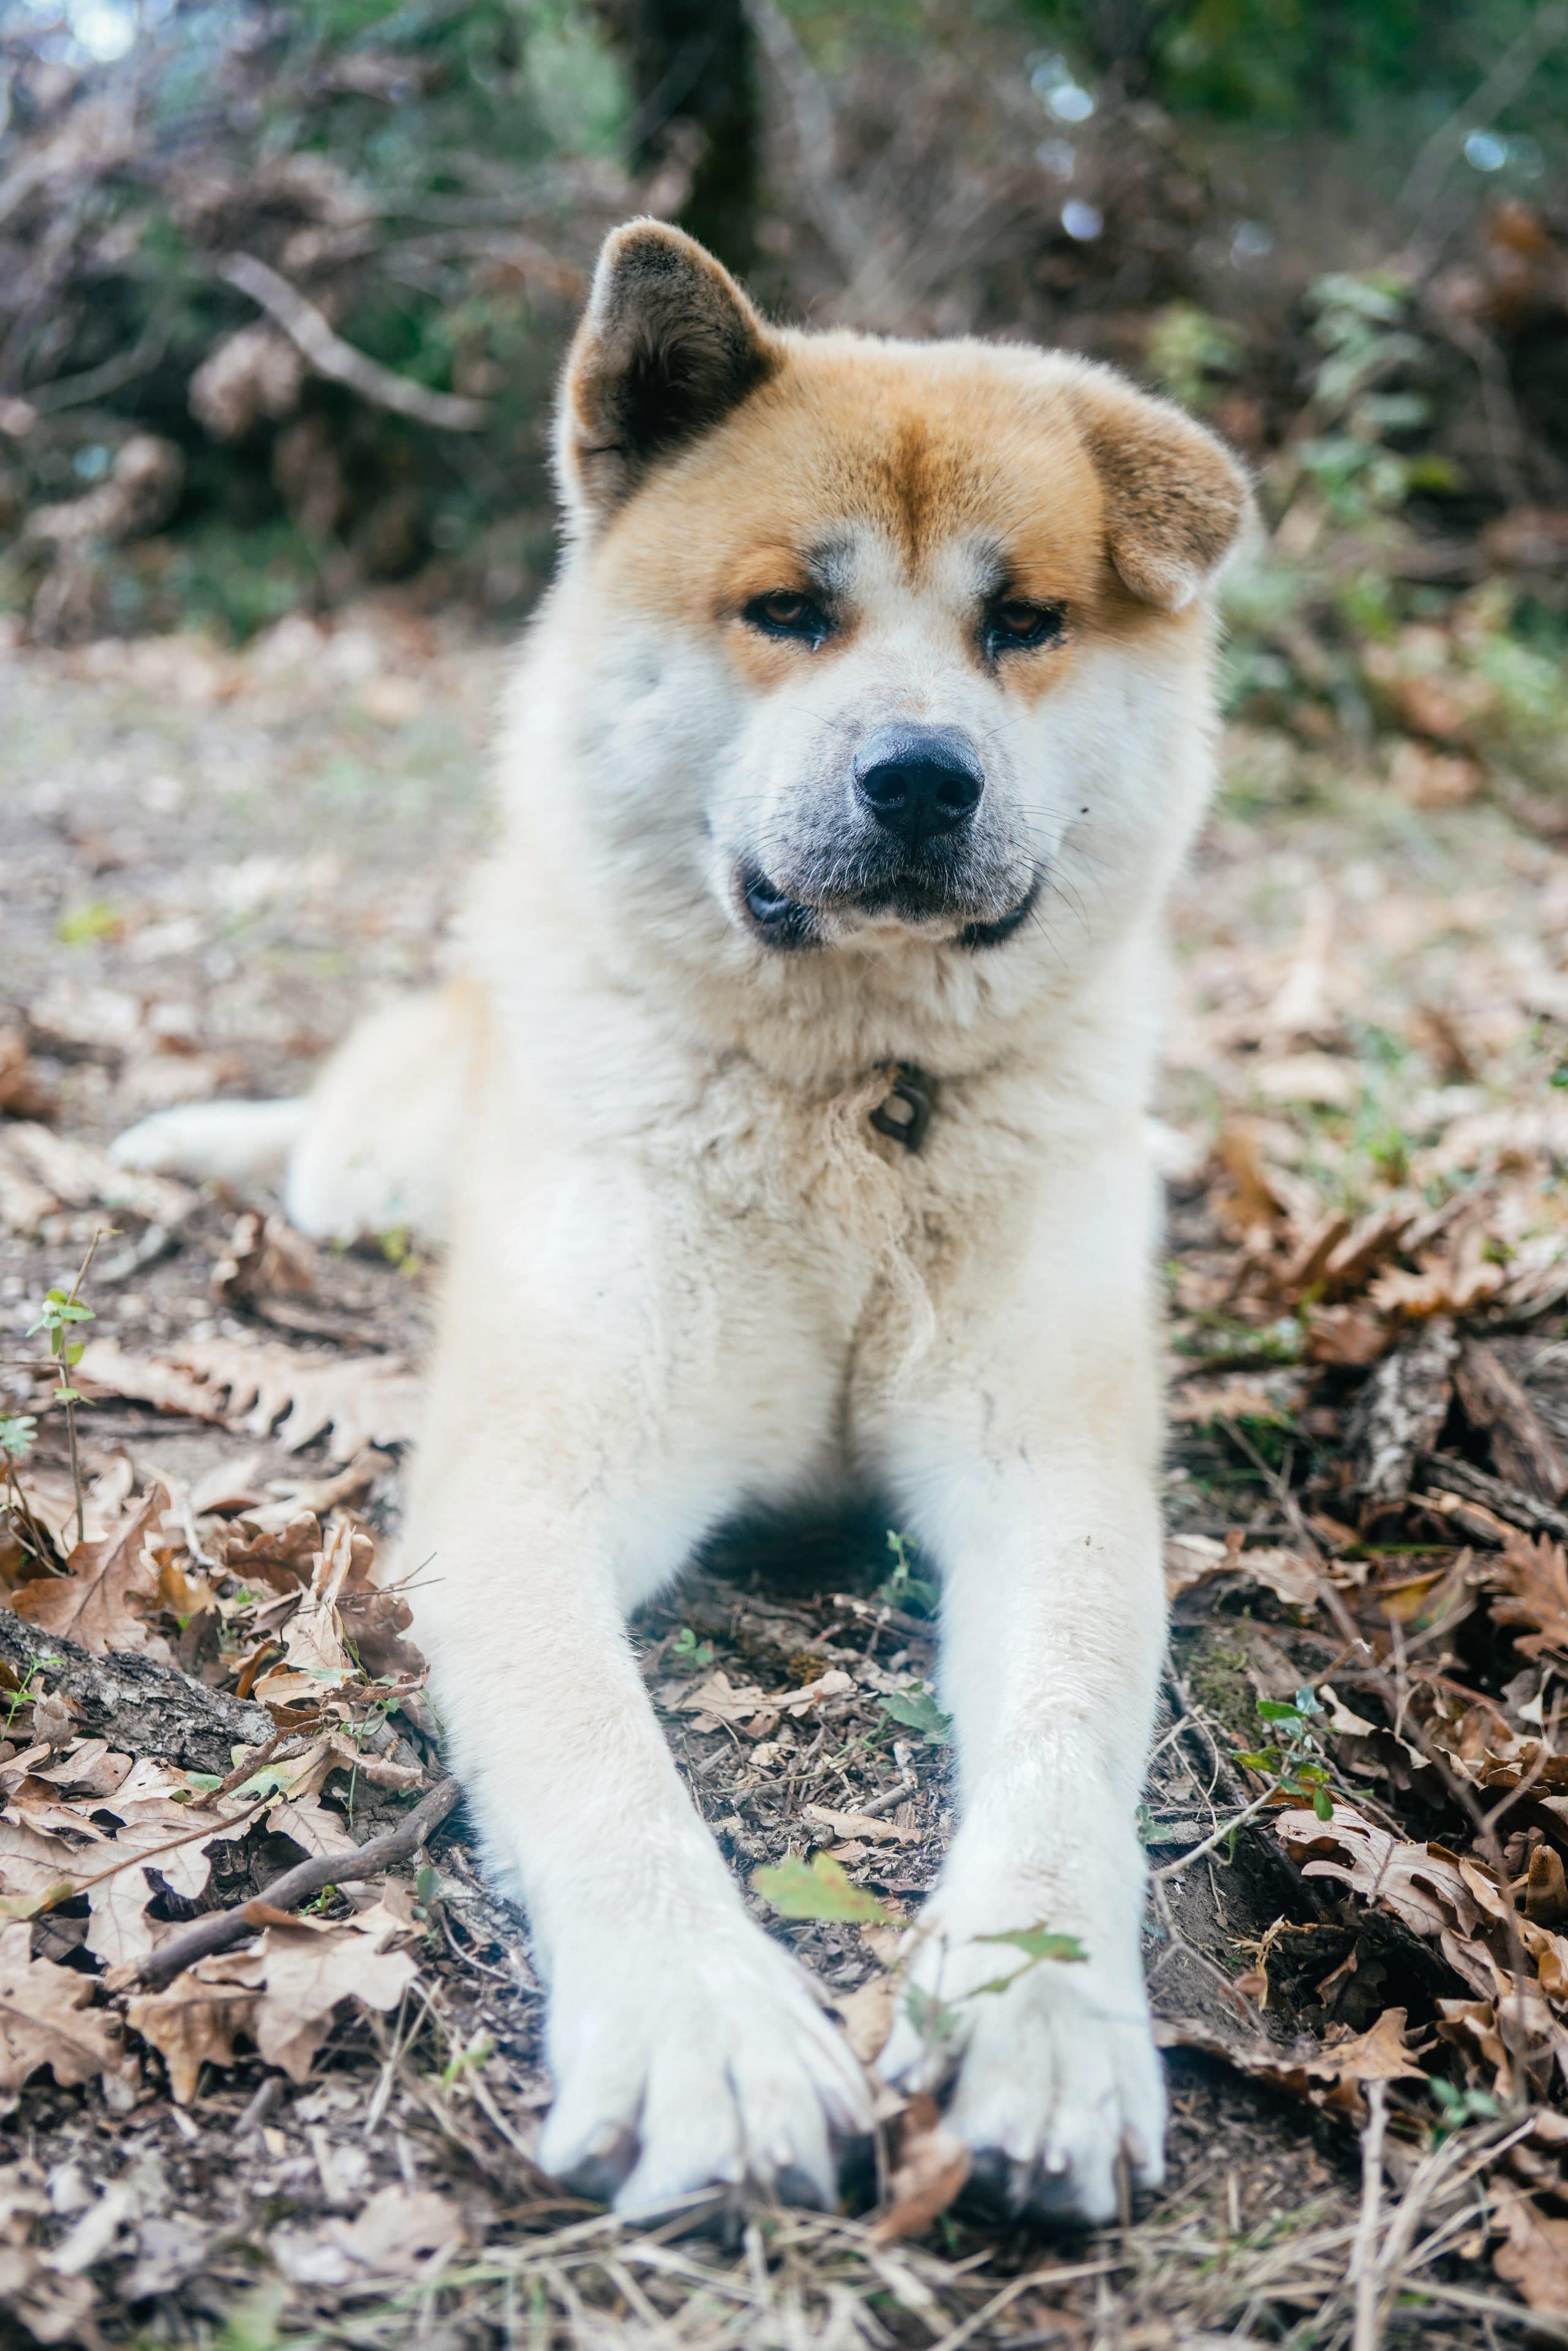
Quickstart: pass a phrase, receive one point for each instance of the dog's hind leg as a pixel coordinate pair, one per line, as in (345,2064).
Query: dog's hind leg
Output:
(368,1151)
(237,1143)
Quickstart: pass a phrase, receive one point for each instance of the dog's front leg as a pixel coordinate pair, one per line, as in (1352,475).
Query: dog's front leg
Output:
(1028,1473)
(564,1475)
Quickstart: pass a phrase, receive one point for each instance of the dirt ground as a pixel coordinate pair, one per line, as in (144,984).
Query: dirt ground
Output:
(210,864)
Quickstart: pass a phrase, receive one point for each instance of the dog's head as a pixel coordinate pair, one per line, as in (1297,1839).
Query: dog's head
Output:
(878,623)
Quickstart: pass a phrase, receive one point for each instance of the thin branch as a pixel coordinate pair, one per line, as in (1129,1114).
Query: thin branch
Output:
(220,1928)
(330,355)
(1506,78)
(1226,1828)
(1366,2271)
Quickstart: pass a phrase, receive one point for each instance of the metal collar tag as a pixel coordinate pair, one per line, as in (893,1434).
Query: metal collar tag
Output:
(907,1112)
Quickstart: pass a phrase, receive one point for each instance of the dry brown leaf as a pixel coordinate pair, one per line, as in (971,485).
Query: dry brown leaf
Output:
(23,1090)
(398,2229)
(45,2019)
(372,1621)
(864,1825)
(363,1400)
(52,1499)
(1199,1400)
(1255,1199)
(1191,1559)
(929,2169)
(82,1176)
(1420,1884)
(193,2024)
(1350,1335)
(1534,2257)
(314,1660)
(33,1861)
(89,1768)
(305,1967)
(1472,2026)
(1532,1581)
(52,2307)
(1523,1449)
(1441,1285)
(868,2014)
(1328,2075)
(283,1557)
(102,1601)
(266,1256)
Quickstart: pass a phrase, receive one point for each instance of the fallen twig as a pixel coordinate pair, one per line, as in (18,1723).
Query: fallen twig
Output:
(330,355)
(219,1928)
(1365,2274)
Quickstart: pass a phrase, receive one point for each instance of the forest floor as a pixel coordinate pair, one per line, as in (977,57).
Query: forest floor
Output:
(210,863)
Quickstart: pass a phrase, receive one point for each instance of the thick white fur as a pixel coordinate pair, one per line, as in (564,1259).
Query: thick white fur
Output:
(686,1275)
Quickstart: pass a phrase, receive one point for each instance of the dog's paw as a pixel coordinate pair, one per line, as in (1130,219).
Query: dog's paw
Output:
(706,2063)
(1056,2076)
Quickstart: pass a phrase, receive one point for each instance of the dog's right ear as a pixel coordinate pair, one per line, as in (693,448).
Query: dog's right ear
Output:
(667,346)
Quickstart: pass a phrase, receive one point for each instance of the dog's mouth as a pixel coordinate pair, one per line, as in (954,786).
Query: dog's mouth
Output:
(909,901)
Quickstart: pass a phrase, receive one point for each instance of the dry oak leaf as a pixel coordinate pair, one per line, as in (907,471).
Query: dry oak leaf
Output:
(83,1176)
(304,1967)
(928,2171)
(1534,2257)
(193,2024)
(399,2229)
(247,1385)
(1532,1577)
(1330,2075)
(101,1602)
(45,2019)
(51,2307)
(864,1825)
(1421,1884)
(23,1090)
(868,2014)
(315,1658)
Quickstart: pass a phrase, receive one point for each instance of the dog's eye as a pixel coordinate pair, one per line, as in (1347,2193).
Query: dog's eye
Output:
(1014,626)
(784,613)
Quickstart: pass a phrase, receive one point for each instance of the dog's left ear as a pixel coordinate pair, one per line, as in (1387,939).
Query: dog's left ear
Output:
(1176,498)
(667,346)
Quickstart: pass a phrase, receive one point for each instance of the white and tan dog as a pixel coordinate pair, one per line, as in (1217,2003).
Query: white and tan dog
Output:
(786,1128)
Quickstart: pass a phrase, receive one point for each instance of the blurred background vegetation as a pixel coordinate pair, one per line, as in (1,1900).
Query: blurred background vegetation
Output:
(284,290)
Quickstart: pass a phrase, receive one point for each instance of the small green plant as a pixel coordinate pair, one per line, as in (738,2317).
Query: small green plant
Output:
(17,1431)
(60,1311)
(1037,1944)
(24,1693)
(686,1653)
(80,927)
(918,1710)
(1294,1759)
(474,2054)
(904,1589)
(1458,2107)
(1188,349)
(820,1888)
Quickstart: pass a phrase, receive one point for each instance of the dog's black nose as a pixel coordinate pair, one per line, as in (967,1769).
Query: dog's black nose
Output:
(920,780)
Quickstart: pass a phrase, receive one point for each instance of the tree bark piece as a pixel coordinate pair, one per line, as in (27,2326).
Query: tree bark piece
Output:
(220,1928)
(141,1708)
(1523,1446)
(1399,1414)
(1451,1476)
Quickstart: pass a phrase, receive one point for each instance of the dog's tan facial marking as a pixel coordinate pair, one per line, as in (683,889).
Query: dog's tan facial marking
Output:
(1094,505)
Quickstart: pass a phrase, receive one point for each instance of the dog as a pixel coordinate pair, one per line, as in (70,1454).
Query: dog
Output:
(785,1127)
